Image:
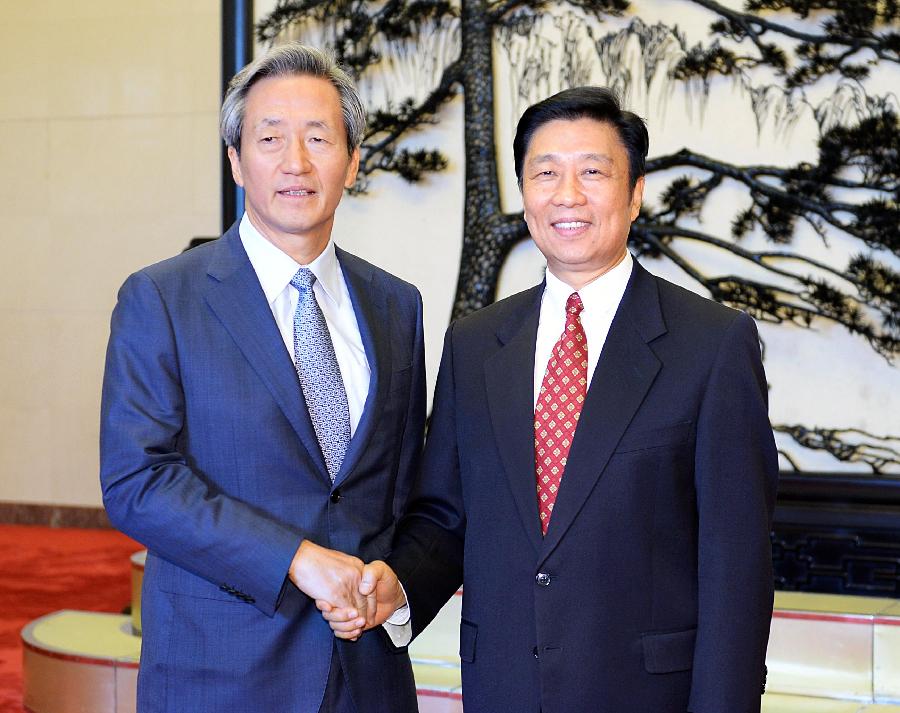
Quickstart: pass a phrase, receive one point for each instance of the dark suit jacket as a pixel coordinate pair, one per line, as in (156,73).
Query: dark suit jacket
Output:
(652,590)
(208,457)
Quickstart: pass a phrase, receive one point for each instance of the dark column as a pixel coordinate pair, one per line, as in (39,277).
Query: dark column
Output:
(237,50)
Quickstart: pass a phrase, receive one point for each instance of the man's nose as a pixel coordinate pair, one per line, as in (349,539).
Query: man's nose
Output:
(296,158)
(568,190)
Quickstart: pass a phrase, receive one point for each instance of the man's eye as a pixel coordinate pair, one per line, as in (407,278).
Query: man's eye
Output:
(268,139)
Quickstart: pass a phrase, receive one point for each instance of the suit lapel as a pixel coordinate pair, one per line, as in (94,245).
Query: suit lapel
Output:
(624,373)
(235,296)
(374,321)
(509,378)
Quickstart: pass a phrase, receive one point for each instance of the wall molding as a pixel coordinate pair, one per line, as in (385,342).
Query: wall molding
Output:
(837,534)
(17,513)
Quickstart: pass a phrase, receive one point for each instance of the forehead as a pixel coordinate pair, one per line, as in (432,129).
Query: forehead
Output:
(571,137)
(293,97)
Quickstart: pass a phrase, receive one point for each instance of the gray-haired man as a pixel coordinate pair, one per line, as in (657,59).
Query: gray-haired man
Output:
(262,418)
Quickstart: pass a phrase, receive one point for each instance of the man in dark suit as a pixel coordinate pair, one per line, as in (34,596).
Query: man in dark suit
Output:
(600,470)
(263,414)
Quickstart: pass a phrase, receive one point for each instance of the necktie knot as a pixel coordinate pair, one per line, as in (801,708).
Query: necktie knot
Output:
(574,305)
(303,279)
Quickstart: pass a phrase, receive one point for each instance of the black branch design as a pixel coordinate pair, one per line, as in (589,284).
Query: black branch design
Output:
(848,32)
(852,190)
(780,197)
(848,445)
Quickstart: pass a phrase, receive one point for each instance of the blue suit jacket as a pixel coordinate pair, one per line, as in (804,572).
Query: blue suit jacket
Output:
(208,457)
(652,590)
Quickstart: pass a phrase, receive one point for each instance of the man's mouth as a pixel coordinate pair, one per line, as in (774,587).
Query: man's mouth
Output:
(296,192)
(570,224)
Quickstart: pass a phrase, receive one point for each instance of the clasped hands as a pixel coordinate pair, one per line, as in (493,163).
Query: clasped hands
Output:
(351,595)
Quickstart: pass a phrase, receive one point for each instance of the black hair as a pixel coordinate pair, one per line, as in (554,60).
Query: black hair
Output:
(595,103)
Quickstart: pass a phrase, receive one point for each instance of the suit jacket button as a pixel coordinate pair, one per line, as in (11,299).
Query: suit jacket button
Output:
(543,579)
(336,496)
(534,652)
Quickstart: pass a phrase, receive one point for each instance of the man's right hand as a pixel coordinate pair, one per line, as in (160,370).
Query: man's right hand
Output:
(330,576)
(382,588)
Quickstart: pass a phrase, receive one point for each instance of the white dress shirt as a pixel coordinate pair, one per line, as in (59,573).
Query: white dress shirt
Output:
(274,269)
(600,297)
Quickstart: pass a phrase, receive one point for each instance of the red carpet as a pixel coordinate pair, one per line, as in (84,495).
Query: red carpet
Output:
(42,570)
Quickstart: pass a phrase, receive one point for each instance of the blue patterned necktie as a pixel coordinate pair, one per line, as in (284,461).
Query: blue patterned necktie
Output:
(319,373)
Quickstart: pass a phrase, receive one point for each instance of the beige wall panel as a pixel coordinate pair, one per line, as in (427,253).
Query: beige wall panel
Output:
(205,146)
(101,57)
(25,64)
(130,66)
(51,364)
(150,184)
(48,10)
(24,156)
(27,256)
(120,166)
(110,129)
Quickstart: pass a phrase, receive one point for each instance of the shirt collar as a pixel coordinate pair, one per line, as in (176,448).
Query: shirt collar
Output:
(601,294)
(275,268)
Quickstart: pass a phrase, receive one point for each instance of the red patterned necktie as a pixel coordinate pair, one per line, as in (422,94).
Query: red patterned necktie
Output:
(558,408)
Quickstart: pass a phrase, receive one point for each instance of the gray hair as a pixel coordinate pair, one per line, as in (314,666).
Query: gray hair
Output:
(291,59)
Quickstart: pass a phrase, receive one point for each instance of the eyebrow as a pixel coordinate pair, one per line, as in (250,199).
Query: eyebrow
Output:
(267,121)
(553,157)
(272,121)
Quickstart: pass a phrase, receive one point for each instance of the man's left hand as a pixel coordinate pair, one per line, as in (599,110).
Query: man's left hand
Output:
(383,593)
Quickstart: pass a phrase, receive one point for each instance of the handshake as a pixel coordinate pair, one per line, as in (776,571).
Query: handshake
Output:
(352,596)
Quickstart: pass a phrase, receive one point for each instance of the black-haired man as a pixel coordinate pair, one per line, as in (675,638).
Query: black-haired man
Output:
(599,458)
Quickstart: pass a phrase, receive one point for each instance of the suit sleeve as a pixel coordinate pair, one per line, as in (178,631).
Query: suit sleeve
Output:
(736,471)
(428,548)
(149,488)
(400,634)
(414,427)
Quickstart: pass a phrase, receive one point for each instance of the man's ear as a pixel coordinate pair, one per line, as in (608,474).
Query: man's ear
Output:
(637,195)
(235,166)
(353,168)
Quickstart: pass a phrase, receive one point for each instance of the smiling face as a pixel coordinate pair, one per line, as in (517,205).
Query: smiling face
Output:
(294,163)
(578,200)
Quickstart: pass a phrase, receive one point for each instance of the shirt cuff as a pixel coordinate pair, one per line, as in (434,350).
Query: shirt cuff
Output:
(399,634)
(399,617)
(399,625)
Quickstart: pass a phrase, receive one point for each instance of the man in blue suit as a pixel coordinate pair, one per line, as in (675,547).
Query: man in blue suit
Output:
(262,417)
(600,471)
